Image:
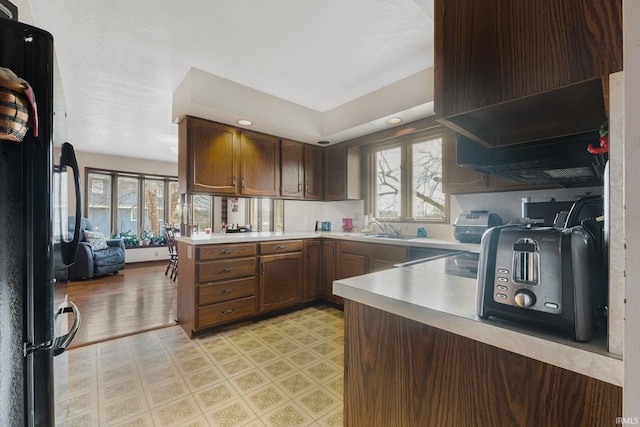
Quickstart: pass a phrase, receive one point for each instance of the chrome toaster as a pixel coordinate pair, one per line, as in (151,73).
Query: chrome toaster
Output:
(547,277)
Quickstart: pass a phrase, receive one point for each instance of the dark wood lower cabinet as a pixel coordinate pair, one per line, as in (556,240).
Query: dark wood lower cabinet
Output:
(403,373)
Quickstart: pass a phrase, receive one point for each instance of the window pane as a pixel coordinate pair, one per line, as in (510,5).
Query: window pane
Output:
(174,204)
(388,182)
(127,218)
(153,217)
(427,196)
(202,210)
(99,201)
(278,215)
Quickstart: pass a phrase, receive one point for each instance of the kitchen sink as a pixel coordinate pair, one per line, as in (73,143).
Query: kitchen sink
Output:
(389,236)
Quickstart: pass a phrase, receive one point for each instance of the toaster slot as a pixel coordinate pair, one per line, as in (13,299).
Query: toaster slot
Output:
(526,262)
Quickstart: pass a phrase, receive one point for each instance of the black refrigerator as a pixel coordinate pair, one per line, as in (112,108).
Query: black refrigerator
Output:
(28,341)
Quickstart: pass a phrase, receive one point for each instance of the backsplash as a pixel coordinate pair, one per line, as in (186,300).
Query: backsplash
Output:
(302,215)
(508,205)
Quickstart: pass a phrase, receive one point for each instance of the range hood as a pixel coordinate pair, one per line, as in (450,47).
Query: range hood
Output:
(562,161)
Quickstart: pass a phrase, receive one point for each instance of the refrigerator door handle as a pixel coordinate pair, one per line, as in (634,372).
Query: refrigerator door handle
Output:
(68,249)
(61,343)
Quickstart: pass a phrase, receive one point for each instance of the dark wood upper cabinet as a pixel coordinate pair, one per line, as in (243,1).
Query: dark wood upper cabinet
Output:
(259,164)
(208,157)
(509,71)
(335,172)
(292,168)
(313,172)
(301,171)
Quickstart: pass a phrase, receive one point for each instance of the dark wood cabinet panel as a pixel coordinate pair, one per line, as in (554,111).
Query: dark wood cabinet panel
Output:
(329,270)
(502,65)
(281,246)
(313,172)
(260,164)
(280,281)
(226,251)
(207,156)
(225,312)
(354,257)
(350,265)
(399,372)
(312,269)
(335,172)
(292,168)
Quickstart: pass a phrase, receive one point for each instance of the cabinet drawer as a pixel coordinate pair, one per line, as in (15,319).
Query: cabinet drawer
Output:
(216,314)
(225,269)
(226,251)
(281,246)
(224,291)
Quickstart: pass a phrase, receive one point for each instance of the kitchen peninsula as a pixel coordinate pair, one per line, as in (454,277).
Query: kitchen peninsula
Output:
(417,355)
(236,276)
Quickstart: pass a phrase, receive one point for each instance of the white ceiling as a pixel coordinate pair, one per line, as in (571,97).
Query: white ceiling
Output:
(301,69)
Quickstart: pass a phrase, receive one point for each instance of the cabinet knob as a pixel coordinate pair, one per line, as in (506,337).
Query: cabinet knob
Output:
(281,247)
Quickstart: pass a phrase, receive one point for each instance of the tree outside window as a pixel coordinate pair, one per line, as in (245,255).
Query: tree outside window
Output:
(408,180)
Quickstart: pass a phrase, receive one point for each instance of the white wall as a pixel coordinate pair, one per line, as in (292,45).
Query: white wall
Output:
(302,215)
(631,34)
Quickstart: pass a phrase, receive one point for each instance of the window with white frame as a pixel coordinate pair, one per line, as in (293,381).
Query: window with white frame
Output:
(121,202)
(406,179)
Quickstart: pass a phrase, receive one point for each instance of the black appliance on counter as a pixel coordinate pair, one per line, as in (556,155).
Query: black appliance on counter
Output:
(564,161)
(470,226)
(27,339)
(547,277)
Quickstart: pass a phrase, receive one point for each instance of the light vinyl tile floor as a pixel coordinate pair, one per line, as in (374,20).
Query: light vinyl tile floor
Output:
(283,371)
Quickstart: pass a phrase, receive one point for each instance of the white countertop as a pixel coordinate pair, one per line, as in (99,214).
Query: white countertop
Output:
(448,303)
(254,236)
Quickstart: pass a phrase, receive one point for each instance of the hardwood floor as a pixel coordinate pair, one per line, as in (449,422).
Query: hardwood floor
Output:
(139,298)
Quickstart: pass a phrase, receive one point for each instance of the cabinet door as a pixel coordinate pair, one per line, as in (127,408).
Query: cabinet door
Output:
(329,269)
(335,172)
(312,269)
(280,281)
(313,168)
(494,51)
(259,164)
(292,168)
(350,265)
(212,148)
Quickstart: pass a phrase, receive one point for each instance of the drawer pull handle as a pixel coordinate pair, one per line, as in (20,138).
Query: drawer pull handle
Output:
(228,251)
(229,311)
(227,291)
(281,247)
(228,269)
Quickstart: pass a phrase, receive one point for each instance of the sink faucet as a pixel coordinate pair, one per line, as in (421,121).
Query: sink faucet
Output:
(382,226)
(392,230)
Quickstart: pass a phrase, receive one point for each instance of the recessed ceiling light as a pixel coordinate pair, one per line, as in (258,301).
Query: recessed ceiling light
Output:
(394,120)
(323,142)
(244,122)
